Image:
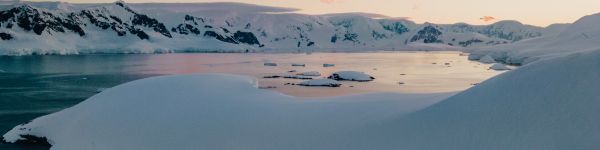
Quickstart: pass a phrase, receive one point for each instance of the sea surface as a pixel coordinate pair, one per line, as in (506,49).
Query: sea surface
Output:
(33,86)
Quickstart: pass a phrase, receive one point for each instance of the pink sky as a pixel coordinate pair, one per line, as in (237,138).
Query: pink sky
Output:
(535,12)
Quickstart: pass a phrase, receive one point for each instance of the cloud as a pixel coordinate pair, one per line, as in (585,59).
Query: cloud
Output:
(487,18)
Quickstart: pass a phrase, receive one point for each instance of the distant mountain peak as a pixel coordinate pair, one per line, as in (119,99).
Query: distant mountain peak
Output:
(511,22)
(120,3)
(152,26)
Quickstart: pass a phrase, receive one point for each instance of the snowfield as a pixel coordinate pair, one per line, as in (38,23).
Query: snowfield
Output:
(550,104)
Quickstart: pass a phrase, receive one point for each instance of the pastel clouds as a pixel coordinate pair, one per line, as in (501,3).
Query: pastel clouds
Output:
(487,18)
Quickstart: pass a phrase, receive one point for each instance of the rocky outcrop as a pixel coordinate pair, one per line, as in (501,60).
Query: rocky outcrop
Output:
(429,34)
(5,36)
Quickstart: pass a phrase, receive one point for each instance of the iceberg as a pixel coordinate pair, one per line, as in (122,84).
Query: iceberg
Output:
(310,73)
(298,65)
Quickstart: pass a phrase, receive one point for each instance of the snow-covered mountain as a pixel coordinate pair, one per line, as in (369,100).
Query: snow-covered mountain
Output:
(583,35)
(63,28)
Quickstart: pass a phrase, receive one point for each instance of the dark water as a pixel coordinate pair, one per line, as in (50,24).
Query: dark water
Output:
(34,86)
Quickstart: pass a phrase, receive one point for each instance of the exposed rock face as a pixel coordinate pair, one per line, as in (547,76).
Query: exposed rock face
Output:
(38,21)
(143,20)
(5,36)
(195,26)
(428,34)
(396,27)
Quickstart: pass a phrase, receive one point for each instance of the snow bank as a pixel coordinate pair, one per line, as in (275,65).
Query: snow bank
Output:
(212,111)
(321,82)
(351,76)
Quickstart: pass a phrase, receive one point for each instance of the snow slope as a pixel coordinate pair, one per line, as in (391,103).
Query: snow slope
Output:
(215,111)
(549,104)
(64,28)
(583,35)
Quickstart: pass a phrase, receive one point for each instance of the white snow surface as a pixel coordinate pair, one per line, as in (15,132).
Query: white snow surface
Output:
(215,111)
(549,104)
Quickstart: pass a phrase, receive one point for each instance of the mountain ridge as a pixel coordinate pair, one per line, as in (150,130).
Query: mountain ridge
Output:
(199,29)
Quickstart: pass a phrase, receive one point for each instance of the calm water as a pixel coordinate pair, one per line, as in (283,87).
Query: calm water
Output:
(32,86)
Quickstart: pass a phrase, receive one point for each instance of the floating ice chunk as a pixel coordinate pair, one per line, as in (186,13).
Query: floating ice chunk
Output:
(351,76)
(267,87)
(297,77)
(328,65)
(321,82)
(272,76)
(487,59)
(298,65)
(271,64)
(499,67)
(310,73)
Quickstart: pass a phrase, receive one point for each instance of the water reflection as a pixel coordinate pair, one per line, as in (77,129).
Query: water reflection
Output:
(419,72)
